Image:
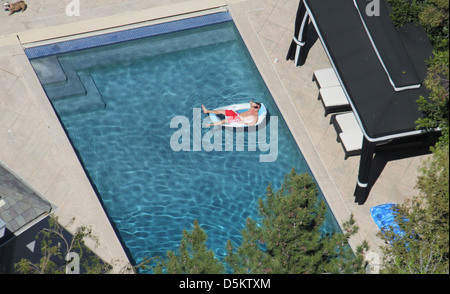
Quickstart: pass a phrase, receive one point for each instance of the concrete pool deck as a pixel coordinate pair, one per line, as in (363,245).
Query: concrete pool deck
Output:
(35,146)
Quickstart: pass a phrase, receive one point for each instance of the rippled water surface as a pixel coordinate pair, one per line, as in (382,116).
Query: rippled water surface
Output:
(149,191)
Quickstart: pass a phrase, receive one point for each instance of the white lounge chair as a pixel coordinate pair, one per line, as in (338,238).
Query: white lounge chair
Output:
(334,99)
(351,142)
(325,78)
(350,135)
(344,122)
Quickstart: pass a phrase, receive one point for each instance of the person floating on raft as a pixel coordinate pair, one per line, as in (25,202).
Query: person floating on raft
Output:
(249,117)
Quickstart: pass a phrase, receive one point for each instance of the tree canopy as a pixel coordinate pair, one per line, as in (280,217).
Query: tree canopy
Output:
(287,239)
(424,246)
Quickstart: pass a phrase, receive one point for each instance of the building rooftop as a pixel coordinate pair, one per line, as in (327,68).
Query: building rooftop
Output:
(20,205)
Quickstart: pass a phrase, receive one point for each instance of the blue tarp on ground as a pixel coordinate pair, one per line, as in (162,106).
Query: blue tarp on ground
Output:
(384,217)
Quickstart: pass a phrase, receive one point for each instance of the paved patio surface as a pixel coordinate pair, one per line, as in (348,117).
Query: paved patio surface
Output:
(35,146)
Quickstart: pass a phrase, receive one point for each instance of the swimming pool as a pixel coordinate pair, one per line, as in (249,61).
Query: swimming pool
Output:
(116,103)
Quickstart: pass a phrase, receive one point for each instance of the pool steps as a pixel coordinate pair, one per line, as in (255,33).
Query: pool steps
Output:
(72,85)
(69,91)
(90,101)
(72,90)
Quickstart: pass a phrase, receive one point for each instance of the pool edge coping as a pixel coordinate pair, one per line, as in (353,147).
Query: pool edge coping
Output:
(97,26)
(125,34)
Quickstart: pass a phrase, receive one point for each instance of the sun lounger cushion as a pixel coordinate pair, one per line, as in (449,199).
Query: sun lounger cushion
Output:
(326,78)
(351,142)
(334,99)
(347,122)
(333,96)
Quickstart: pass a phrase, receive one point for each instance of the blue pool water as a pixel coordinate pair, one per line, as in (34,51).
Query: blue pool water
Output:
(120,127)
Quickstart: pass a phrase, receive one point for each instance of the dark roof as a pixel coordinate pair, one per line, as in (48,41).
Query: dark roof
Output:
(372,58)
(20,204)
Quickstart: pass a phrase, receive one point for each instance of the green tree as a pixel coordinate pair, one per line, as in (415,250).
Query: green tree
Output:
(289,239)
(55,245)
(424,246)
(193,256)
(432,15)
(436,106)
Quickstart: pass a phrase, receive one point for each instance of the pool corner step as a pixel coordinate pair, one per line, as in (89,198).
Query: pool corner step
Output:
(91,101)
(71,85)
